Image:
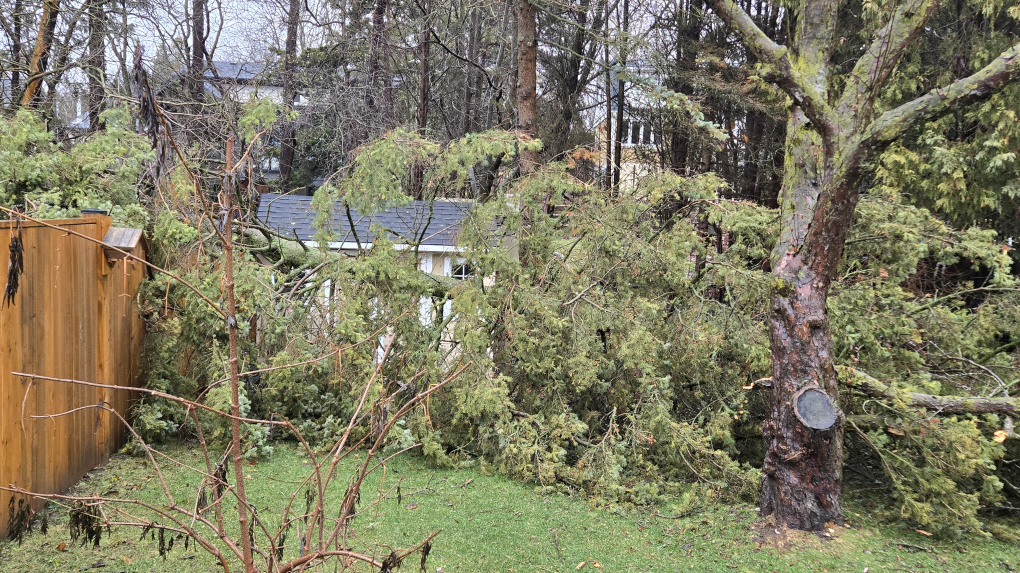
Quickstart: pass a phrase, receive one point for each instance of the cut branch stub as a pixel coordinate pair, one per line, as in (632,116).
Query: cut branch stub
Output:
(814,408)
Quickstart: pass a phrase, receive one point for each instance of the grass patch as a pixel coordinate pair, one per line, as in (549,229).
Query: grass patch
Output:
(493,524)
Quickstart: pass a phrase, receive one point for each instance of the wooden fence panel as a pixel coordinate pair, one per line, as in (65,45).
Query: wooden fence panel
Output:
(74,316)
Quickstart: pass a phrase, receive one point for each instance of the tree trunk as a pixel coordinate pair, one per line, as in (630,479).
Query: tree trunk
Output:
(96,67)
(474,31)
(16,49)
(195,73)
(527,79)
(621,101)
(610,164)
(62,50)
(375,65)
(803,467)
(424,87)
(289,93)
(43,43)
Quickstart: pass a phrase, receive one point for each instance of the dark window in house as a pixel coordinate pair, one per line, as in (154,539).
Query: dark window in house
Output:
(462,271)
(646,137)
(635,133)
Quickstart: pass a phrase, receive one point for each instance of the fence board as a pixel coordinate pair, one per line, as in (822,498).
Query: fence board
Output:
(74,316)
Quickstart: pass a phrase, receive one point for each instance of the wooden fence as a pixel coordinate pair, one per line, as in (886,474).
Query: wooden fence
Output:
(74,317)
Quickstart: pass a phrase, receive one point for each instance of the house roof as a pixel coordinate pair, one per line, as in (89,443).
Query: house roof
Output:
(230,73)
(434,225)
(241,72)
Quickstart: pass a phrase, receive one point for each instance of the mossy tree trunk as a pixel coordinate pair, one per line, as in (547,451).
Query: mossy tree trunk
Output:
(831,141)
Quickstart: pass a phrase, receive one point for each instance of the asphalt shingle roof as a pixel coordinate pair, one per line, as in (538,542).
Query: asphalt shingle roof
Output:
(238,71)
(436,223)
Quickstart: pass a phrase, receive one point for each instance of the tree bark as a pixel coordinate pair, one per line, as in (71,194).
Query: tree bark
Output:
(474,31)
(16,49)
(43,43)
(288,141)
(610,164)
(375,67)
(424,87)
(527,79)
(620,102)
(195,73)
(96,65)
(802,472)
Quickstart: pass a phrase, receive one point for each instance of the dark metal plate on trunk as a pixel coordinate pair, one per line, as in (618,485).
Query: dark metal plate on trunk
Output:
(814,409)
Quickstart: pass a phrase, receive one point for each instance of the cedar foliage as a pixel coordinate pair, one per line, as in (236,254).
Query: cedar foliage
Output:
(613,347)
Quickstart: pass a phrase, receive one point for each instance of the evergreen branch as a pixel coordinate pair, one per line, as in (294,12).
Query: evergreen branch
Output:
(960,293)
(784,74)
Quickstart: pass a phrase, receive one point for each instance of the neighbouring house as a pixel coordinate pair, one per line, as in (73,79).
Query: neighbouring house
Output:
(642,130)
(637,149)
(241,82)
(433,227)
(238,81)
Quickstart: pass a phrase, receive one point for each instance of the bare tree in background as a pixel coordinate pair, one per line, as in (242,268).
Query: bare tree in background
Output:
(287,139)
(95,62)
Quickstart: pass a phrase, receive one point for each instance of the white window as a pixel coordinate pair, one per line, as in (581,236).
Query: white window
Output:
(458,268)
(462,271)
(638,133)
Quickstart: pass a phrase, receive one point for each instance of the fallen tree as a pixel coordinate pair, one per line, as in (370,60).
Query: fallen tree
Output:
(875,388)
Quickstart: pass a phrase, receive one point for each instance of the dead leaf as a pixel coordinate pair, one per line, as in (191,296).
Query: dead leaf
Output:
(580,566)
(412,506)
(923,532)
(882,273)
(1000,436)
(62,547)
(127,560)
(596,564)
(895,431)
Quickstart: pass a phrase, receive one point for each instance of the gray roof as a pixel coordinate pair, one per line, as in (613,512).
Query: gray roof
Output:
(242,72)
(436,223)
(228,73)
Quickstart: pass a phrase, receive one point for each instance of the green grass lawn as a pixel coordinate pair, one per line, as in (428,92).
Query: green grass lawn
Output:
(490,523)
